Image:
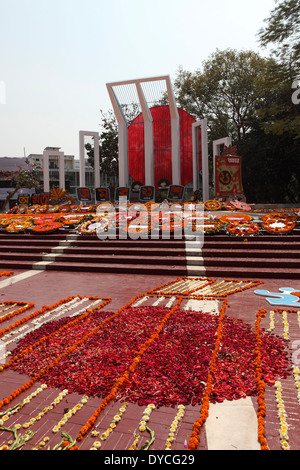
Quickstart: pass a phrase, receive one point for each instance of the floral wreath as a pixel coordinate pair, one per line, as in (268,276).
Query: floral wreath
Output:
(48,219)
(244,228)
(212,205)
(207,226)
(228,206)
(42,209)
(278,225)
(7,221)
(32,209)
(65,208)
(95,225)
(71,219)
(88,208)
(232,218)
(18,226)
(278,217)
(21,209)
(46,228)
(54,208)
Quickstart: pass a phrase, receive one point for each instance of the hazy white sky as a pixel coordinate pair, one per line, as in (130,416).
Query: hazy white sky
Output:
(56,57)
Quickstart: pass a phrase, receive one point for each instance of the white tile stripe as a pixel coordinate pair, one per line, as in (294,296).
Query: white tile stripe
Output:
(194,258)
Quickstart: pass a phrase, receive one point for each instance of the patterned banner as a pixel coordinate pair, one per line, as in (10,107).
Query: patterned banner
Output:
(228,178)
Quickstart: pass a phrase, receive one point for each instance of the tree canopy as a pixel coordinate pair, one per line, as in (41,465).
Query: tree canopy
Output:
(251,97)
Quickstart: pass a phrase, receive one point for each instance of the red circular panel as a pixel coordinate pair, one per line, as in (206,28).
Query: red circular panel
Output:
(162,146)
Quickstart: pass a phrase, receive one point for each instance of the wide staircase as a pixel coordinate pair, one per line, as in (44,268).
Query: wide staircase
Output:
(267,256)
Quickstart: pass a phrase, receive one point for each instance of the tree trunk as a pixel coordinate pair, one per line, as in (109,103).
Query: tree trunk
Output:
(8,198)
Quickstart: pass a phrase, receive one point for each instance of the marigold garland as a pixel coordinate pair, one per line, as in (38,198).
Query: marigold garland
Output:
(204,411)
(260,383)
(8,316)
(283,432)
(210,290)
(33,315)
(6,273)
(68,351)
(119,382)
(260,389)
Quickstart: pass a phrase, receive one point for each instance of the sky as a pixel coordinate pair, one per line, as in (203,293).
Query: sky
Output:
(56,57)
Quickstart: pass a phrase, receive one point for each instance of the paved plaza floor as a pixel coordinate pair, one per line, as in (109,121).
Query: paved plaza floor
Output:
(231,425)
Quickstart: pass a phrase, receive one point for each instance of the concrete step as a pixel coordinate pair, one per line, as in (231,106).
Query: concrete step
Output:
(265,256)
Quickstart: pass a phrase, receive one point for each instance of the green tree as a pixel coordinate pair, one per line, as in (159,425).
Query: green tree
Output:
(108,146)
(224,91)
(23,178)
(283,31)
(248,98)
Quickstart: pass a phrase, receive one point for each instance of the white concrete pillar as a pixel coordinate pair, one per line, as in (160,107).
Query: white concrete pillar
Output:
(148,138)
(123,139)
(46,172)
(48,152)
(175,135)
(95,135)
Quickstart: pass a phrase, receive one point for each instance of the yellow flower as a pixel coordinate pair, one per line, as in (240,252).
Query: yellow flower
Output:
(285,444)
(97,444)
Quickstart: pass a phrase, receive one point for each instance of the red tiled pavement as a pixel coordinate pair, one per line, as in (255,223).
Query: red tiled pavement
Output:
(47,287)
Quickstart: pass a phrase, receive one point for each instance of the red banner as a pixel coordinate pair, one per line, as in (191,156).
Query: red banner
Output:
(228,175)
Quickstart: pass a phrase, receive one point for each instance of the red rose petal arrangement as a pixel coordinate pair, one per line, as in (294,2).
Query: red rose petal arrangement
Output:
(152,355)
